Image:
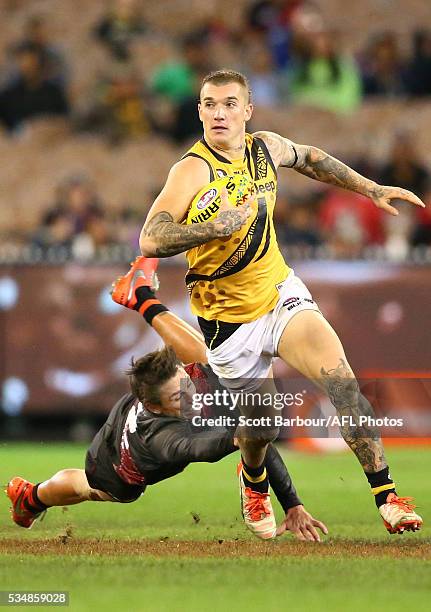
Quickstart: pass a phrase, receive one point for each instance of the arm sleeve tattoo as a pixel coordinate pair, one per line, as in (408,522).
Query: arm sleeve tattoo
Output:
(172,238)
(317,164)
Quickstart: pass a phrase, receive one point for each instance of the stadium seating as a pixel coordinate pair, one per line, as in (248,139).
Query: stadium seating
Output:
(132,173)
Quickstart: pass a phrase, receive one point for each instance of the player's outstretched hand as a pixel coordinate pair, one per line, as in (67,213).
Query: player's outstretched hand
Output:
(302,525)
(383,195)
(230,217)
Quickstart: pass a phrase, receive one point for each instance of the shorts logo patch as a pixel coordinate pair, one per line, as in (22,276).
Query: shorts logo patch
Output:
(293,302)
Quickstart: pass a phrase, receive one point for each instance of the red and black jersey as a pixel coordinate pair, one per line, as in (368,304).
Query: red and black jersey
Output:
(136,448)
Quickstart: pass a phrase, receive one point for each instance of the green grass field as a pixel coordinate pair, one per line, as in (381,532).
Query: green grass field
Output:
(346,572)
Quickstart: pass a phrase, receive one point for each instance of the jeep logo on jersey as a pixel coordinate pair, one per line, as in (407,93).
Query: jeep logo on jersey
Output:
(206,199)
(263,187)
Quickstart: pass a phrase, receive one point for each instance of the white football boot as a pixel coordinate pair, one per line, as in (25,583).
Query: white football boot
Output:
(398,514)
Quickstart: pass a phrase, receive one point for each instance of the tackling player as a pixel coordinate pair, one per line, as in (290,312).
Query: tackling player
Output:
(147,438)
(250,304)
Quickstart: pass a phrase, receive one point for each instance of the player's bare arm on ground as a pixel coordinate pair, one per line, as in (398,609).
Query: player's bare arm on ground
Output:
(317,164)
(364,440)
(163,234)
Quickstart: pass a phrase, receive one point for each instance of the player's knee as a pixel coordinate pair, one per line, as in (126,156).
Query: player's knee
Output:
(257,438)
(270,434)
(78,480)
(341,385)
(96,495)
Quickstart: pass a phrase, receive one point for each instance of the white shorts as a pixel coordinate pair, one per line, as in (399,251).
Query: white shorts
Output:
(245,358)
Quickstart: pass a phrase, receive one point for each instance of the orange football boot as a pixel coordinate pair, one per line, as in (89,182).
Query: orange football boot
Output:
(18,490)
(142,273)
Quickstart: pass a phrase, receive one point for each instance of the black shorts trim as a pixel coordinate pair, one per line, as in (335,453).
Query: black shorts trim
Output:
(216,332)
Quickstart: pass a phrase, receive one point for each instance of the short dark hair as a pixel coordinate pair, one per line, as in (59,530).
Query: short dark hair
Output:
(148,373)
(224,77)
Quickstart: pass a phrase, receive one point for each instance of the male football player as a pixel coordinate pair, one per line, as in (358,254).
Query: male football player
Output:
(148,436)
(250,305)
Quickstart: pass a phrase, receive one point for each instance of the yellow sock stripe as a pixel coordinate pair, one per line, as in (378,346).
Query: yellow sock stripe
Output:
(385,487)
(255,479)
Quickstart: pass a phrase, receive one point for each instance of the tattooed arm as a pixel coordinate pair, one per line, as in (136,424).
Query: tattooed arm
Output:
(163,234)
(317,164)
(363,439)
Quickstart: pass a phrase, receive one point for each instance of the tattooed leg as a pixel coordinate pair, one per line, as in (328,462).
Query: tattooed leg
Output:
(311,346)
(364,440)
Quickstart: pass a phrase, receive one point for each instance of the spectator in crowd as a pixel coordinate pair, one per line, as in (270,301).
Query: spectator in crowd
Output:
(78,200)
(118,110)
(120,27)
(264,81)
(176,79)
(349,222)
(37,34)
(421,232)
(325,78)
(418,73)
(127,225)
(405,169)
(30,94)
(185,122)
(271,20)
(55,230)
(77,221)
(383,70)
(299,226)
(262,14)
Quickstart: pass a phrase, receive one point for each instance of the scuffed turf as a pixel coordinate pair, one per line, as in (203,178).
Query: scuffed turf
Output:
(182,546)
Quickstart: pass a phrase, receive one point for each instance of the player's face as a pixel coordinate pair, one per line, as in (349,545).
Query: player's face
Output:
(224,111)
(176,394)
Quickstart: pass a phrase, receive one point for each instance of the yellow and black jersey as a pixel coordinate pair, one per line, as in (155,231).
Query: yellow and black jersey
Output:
(234,278)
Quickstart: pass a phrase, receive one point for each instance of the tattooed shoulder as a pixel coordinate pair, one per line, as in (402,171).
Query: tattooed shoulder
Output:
(282,150)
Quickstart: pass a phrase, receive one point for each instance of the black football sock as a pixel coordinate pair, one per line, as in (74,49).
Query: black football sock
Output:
(255,478)
(32,501)
(381,485)
(147,304)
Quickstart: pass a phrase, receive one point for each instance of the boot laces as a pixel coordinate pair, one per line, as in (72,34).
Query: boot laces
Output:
(404,503)
(256,505)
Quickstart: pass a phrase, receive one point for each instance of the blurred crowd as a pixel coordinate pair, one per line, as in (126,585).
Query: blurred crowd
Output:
(348,225)
(288,52)
(82,225)
(291,57)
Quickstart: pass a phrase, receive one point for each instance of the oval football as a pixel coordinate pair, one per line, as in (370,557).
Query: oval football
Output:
(206,204)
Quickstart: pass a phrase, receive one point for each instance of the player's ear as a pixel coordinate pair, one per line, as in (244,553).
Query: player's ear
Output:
(152,407)
(200,110)
(248,111)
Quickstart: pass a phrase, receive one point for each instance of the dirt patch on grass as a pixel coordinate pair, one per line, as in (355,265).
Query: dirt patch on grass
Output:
(66,545)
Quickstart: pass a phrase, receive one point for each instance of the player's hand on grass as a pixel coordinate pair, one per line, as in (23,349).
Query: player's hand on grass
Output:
(302,525)
(382,197)
(231,218)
